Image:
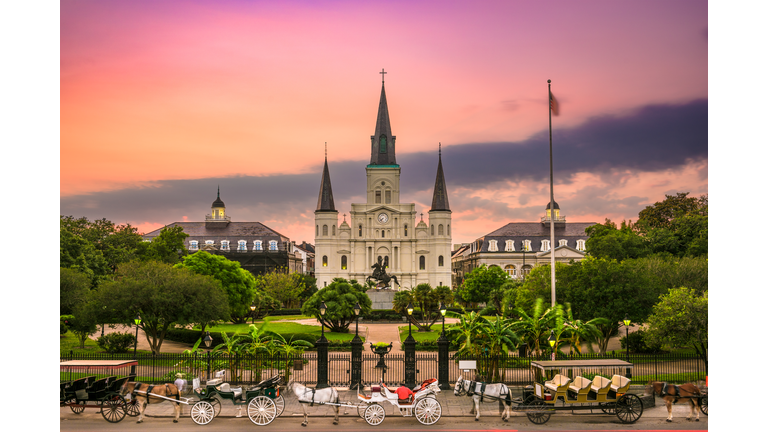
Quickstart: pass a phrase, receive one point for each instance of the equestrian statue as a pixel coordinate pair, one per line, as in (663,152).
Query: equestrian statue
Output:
(380,274)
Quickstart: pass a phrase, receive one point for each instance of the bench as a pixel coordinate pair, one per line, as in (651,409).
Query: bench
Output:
(579,389)
(620,384)
(228,392)
(599,388)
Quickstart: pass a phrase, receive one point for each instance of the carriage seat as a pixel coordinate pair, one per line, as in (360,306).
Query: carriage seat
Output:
(620,384)
(600,386)
(557,383)
(225,388)
(404,395)
(579,388)
(424,385)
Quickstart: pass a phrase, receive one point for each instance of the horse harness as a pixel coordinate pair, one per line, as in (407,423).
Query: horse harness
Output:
(149,390)
(665,391)
(473,389)
(311,402)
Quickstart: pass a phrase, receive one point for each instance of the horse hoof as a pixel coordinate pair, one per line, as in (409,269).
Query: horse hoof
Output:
(304,424)
(506,420)
(335,422)
(669,421)
(697,419)
(477,419)
(175,421)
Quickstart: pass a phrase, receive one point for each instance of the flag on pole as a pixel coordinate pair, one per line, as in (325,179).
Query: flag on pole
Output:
(553,104)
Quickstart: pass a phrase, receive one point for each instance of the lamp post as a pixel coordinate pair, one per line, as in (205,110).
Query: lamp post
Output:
(410,353)
(442,354)
(322,352)
(137,321)
(627,322)
(253,315)
(207,339)
(357,315)
(410,314)
(323,308)
(357,353)
(443,310)
(552,341)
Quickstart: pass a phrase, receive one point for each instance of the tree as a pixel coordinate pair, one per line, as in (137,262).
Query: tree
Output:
(74,288)
(662,214)
(308,284)
(82,323)
(168,246)
(284,287)
(534,328)
(579,330)
(163,295)
(497,338)
(77,253)
(609,242)
(340,298)
(426,300)
(537,284)
(239,284)
(466,332)
(484,284)
(117,243)
(680,319)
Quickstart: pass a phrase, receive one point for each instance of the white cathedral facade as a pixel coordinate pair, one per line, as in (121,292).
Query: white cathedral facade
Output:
(383,228)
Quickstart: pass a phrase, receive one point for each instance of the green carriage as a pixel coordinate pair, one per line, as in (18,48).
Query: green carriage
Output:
(264,401)
(102,393)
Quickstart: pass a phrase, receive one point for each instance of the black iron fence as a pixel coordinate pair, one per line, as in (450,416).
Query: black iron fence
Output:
(511,369)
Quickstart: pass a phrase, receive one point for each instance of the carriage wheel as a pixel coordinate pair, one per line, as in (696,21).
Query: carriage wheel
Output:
(374,414)
(608,408)
(132,407)
(279,404)
(216,406)
(428,411)
(361,409)
(202,412)
(534,404)
(704,404)
(262,410)
(77,409)
(113,408)
(629,408)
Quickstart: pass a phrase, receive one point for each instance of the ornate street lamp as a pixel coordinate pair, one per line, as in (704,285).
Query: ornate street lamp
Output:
(207,339)
(253,315)
(443,310)
(357,315)
(323,308)
(552,341)
(137,321)
(627,322)
(410,314)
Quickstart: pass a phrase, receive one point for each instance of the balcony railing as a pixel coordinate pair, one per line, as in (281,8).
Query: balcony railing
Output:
(560,218)
(209,218)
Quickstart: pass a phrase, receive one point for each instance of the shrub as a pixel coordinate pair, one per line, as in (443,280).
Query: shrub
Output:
(639,345)
(116,342)
(171,376)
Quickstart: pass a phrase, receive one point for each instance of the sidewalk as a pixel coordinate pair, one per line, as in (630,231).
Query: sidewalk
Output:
(452,406)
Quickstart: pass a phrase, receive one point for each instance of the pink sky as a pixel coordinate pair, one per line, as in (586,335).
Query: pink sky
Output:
(194,90)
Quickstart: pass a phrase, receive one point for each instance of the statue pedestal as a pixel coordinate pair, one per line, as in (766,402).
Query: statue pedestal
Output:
(381,299)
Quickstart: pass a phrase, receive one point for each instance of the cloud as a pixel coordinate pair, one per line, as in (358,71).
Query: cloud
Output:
(610,166)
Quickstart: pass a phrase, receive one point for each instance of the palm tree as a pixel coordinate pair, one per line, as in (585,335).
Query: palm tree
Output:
(534,328)
(466,332)
(580,330)
(497,339)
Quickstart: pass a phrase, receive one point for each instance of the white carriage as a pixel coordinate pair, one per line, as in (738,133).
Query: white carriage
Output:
(421,402)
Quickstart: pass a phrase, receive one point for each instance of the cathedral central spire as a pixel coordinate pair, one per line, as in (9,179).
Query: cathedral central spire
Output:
(325,198)
(440,194)
(382,140)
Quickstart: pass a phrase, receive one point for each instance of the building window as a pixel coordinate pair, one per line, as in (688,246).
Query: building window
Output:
(343,262)
(383,144)
(388,197)
(545,245)
(272,245)
(193,244)
(493,246)
(225,245)
(526,269)
(509,246)
(378,197)
(432,230)
(325,230)
(406,230)
(209,242)
(510,270)
(449,229)
(257,245)
(562,243)
(325,261)
(241,245)
(440,261)
(527,245)
(317,230)
(581,245)
(440,230)
(422,263)
(333,229)
(360,230)
(382,233)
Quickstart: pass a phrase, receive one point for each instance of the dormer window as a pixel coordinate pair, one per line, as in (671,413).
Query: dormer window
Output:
(581,245)
(225,245)
(509,246)
(493,246)
(563,243)
(241,245)
(257,245)
(527,245)
(272,245)
(209,242)
(193,244)
(545,245)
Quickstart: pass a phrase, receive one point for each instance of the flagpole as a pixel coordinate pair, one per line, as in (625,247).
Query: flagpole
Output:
(551,198)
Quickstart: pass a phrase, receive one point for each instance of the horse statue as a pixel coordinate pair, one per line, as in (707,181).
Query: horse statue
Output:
(380,274)
(480,390)
(311,396)
(146,396)
(672,393)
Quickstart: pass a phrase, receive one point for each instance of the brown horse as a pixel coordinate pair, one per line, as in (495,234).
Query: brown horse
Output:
(672,393)
(147,393)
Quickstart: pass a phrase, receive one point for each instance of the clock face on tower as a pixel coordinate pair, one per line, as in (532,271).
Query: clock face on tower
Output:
(383,218)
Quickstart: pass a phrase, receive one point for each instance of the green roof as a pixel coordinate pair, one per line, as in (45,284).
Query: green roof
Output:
(383,166)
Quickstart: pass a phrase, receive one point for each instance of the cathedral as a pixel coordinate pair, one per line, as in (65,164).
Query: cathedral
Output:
(383,229)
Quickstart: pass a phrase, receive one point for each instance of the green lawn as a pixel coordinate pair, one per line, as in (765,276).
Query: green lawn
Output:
(69,342)
(423,336)
(283,328)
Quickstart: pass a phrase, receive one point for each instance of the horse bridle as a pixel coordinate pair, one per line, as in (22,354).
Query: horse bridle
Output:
(460,385)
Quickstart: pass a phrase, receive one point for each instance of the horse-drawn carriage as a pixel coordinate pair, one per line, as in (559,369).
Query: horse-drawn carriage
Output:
(263,400)
(419,402)
(90,392)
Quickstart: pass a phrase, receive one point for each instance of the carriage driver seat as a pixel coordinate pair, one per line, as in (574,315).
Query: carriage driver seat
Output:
(404,395)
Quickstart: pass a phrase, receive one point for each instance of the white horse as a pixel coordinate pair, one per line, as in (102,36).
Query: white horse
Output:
(479,390)
(148,394)
(311,396)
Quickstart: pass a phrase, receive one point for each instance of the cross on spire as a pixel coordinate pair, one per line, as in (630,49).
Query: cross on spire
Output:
(422,217)
(382,75)
(326,151)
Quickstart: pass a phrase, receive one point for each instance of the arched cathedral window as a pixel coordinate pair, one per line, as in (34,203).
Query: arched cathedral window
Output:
(422,263)
(325,230)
